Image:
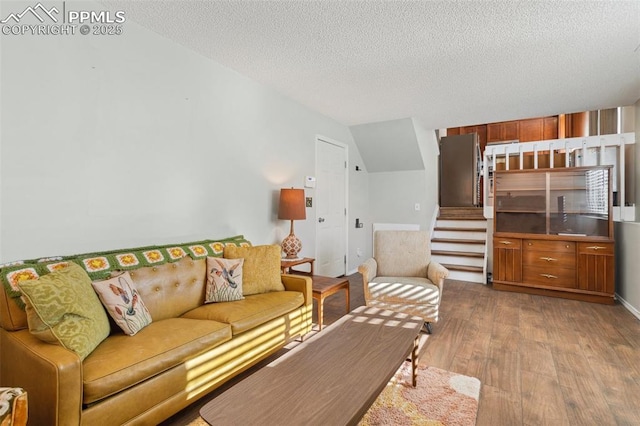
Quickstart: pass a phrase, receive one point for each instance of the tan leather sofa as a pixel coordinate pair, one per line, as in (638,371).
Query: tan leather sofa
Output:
(188,350)
(401,276)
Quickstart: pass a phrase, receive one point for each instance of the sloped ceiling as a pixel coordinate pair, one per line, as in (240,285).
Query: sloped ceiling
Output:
(444,63)
(388,146)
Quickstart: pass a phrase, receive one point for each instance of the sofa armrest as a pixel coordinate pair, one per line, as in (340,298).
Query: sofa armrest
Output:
(51,375)
(301,283)
(437,273)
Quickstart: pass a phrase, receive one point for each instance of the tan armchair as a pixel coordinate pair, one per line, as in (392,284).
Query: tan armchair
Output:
(401,276)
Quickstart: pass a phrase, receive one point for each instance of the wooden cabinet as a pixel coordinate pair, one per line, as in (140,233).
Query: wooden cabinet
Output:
(538,129)
(480,129)
(507,259)
(596,267)
(532,129)
(504,131)
(550,128)
(549,263)
(553,233)
(573,125)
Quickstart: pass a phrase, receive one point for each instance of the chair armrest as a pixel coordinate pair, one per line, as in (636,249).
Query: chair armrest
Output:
(301,283)
(437,273)
(368,269)
(51,375)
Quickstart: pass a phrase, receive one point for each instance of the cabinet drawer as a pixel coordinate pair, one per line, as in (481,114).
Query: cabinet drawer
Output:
(548,245)
(509,243)
(549,259)
(554,277)
(596,248)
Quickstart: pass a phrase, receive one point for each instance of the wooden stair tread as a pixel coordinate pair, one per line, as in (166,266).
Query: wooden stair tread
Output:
(457,241)
(461,212)
(461,209)
(463,268)
(440,217)
(457,253)
(448,228)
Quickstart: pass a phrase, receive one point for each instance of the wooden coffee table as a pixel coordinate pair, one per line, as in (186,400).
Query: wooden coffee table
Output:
(330,379)
(324,287)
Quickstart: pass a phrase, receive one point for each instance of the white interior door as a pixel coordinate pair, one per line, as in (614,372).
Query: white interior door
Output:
(331,208)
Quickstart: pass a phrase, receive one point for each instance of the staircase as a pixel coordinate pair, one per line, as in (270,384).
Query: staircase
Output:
(459,242)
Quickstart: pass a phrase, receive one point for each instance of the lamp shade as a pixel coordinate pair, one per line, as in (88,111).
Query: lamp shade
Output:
(292,204)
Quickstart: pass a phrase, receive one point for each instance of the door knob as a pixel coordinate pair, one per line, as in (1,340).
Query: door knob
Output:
(321,219)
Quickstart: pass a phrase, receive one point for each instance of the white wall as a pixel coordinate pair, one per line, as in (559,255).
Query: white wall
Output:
(627,236)
(388,146)
(113,142)
(637,159)
(359,238)
(430,151)
(394,194)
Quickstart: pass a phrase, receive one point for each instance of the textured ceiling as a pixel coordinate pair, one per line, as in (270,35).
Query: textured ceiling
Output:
(445,63)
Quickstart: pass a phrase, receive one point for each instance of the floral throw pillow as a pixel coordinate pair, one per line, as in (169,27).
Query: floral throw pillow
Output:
(224,280)
(123,302)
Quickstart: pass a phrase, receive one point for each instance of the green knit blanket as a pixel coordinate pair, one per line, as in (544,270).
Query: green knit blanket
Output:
(100,265)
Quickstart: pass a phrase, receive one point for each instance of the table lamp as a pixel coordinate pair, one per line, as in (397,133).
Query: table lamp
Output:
(292,207)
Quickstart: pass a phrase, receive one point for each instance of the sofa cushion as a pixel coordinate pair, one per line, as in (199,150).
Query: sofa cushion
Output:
(122,361)
(261,267)
(123,303)
(404,290)
(171,289)
(62,308)
(250,312)
(224,280)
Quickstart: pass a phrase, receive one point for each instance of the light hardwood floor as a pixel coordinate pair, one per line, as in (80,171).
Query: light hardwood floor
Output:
(541,360)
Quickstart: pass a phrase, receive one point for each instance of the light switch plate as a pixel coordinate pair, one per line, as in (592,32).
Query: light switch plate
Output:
(309,182)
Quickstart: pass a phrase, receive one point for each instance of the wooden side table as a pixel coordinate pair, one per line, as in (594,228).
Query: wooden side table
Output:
(324,287)
(286,265)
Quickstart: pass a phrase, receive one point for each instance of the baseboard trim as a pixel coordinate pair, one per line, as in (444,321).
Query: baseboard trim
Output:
(635,312)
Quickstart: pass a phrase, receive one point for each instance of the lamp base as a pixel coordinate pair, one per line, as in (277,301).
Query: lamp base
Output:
(291,245)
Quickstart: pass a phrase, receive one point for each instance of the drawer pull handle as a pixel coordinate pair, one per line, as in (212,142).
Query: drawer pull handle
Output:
(548,259)
(506,242)
(595,248)
(548,276)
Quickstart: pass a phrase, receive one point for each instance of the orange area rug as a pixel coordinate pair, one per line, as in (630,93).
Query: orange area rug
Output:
(440,398)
